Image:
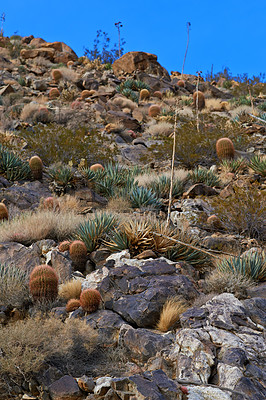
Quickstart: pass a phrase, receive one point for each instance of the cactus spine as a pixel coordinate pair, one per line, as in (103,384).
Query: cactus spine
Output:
(54,93)
(225,149)
(90,300)
(43,283)
(36,167)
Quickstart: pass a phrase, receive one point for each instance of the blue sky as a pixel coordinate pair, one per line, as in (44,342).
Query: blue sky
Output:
(223,33)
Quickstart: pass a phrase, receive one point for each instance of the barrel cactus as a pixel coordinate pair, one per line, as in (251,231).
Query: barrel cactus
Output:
(154,110)
(158,94)
(90,300)
(201,99)
(3,212)
(225,149)
(96,167)
(43,283)
(78,254)
(64,246)
(54,93)
(56,75)
(36,167)
(72,305)
(144,94)
(50,204)
(181,83)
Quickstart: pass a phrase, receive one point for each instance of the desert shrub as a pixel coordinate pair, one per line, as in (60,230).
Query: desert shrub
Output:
(170,313)
(70,289)
(186,101)
(203,175)
(243,212)
(101,49)
(67,144)
(12,166)
(252,266)
(226,281)
(241,101)
(92,231)
(28,345)
(30,227)
(193,147)
(13,286)
(124,103)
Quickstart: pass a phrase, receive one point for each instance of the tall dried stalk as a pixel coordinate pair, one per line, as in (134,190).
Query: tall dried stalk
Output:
(172,170)
(188,26)
(197,101)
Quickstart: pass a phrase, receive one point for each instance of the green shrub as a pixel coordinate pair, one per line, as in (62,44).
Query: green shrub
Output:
(68,144)
(62,176)
(161,187)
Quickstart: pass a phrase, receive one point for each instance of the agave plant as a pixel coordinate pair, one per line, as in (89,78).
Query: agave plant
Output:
(258,164)
(132,84)
(161,187)
(12,166)
(162,244)
(144,197)
(252,266)
(134,235)
(62,176)
(203,175)
(233,166)
(93,230)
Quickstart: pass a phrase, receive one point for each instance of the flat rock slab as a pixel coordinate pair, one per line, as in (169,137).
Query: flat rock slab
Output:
(66,388)
(18,255)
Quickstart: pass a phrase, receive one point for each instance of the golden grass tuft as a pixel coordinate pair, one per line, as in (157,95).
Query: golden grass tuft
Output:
(69,203)
(145,179)
(118,204)
(170,313)
(122,102)
(28,111)
(70,289)
(68,74)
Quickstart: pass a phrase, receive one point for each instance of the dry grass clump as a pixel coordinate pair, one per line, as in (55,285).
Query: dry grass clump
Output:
(31,227)
(170,313)
(161,129)
(69,203)
(70,289)
(123,102)
(118,204)
(186,112)
(146,178)
(27,345)
(68,74)
(226,281)
(214,105)
(29,111)
(241,110)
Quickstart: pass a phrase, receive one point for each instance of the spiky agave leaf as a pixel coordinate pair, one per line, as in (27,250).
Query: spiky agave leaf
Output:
(258,164)
(135,234)
(144,197)
(161,187)
(203,175)
(12,166)
(161,243)
(62,175)
(93,230)
(252,266)
(233,166)
(181,252)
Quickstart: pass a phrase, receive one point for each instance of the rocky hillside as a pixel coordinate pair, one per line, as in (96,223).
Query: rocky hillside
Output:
(106,292)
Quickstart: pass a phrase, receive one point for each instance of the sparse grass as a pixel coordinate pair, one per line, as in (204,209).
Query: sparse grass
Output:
(28,112)
(14,289)
(68,74)
(26,346)
(233,166)
(68,203)
(70,289)
(215,105)
(30,227)
(170,314)
(123,102)
(118,204)
(227,281)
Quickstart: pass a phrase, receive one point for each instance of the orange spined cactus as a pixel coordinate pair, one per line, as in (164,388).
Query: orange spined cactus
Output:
(43,283)
(90,300)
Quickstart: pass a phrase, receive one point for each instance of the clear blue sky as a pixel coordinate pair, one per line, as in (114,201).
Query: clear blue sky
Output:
(223,33)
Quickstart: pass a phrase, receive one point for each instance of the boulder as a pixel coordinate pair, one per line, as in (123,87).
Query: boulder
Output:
(66,388)
(139,60)
(41,52)
(18,255)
